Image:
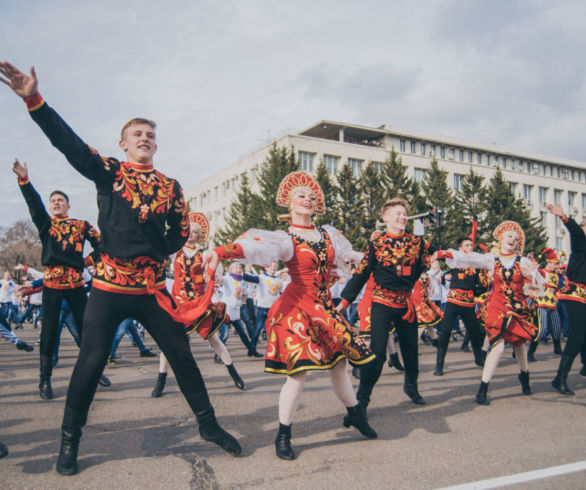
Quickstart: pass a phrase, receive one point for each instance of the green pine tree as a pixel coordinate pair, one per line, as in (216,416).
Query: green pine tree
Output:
(438,194)
(395,181)
(279,162)
(470,203)
(243,214)
(504,206)
(329,189)
(348,207)
(372,196)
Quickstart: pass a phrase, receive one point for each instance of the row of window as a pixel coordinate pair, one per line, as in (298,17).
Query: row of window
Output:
(332,163)
(503,161)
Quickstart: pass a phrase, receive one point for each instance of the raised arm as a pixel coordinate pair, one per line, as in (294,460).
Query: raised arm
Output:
(577,236)
(36,208)
(83,158)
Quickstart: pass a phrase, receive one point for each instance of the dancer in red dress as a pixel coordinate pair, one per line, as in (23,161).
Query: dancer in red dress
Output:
(188,285)
(305,332)
(507,316)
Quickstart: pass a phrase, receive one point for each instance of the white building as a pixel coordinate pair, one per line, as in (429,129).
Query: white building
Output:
(536,178)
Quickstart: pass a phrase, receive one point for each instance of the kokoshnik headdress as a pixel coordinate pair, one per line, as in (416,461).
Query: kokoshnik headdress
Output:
(298,180)
(204,226)
(511,226)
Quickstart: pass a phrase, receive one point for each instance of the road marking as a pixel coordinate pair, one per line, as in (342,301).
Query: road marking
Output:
(521,477)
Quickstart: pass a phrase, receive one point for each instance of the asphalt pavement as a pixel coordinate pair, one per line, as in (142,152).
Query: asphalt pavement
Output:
(135,441)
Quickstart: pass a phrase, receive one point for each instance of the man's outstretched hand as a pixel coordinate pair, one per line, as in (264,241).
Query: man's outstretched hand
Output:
(20,169)
(21,84)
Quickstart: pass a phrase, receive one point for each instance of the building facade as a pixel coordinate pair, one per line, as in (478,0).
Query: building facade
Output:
(535,178)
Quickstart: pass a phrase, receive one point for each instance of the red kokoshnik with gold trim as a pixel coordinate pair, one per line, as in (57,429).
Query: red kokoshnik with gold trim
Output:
(298,180)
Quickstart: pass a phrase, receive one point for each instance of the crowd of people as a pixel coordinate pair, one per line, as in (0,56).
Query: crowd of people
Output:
(321,304)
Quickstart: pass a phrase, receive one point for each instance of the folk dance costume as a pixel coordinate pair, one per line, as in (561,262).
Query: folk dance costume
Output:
(62,242)
(428,313)
(548,316)
(364,314)
(395,262)
(464,287)
(573,292)
(189,285)
(305,332)
(506,313)
(143,219)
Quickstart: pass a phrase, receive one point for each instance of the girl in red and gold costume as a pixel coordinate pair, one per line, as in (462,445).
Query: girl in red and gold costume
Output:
(305,332)
(507,316)
(428,313)
(189,284)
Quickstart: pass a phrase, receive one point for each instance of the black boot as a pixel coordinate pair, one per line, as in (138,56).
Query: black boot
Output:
(357,418)
(439,361)
(235,376)
(410,389)
(481,395)
(478,357)
(531,351)
(557,346)
(210,430)
(560,381)
(356,372)
(395,362)
(283,443)
(524,379)
(70,434)
(160,386)
(45,389)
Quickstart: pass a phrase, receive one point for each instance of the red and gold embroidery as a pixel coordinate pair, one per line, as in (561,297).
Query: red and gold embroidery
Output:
(572,291)
(69,233)
(149,192)
(462,297)
(62,277)
(129,276)
(402,253)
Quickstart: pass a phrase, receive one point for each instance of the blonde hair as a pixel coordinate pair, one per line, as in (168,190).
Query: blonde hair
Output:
(391,203)
(134,121)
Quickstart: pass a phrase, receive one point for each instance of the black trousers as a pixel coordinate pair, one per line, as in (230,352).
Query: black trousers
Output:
(52,299)
(383,319)
(468,316)
(576,328)
(103,314)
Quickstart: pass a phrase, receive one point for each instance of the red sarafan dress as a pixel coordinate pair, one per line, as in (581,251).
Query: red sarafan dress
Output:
(305,332)
(506,313)
(428,313)
(189,285)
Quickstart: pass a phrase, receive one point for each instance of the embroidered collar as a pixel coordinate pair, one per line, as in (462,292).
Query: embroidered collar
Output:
(138,168)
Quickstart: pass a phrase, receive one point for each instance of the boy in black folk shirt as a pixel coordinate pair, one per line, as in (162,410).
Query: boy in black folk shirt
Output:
(143,219)
(396,259)
(463,287)
(62,239)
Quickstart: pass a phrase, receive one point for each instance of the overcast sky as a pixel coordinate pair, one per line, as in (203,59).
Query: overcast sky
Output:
(220,77)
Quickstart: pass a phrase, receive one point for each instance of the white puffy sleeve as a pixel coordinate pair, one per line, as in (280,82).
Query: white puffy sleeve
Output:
(263,247)
(475,260)
(536,282)
(343,250)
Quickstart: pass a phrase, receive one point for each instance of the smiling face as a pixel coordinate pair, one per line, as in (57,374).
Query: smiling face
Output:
(194,234)
(272,269)
(236,268)
(509,242)
(466,246)
(58,205)
(139,143)
(395,218)
(303,202)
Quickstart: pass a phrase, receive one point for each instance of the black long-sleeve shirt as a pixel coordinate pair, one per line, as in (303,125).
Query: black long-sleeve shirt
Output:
(62,239)
(577,262)
(142,212)
(395,262)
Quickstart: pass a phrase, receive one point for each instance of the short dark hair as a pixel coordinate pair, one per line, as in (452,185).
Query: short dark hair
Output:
(462,239)
(61,193)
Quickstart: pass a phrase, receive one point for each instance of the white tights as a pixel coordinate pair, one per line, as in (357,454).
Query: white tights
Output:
(215,344)
(494,355)
(293,387)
